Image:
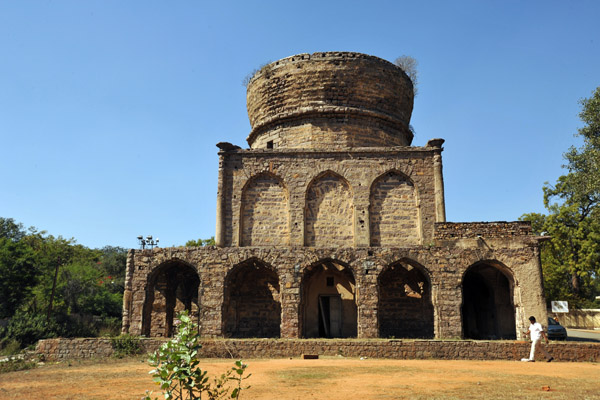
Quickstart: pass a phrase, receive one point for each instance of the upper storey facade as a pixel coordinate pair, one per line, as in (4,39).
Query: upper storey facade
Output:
(330,162)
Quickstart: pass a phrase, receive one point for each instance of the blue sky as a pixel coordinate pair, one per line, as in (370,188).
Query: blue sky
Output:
(110,110)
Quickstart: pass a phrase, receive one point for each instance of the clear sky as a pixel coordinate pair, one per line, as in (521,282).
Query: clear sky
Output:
(110,110)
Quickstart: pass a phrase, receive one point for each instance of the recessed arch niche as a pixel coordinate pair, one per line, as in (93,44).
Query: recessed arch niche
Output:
(404,308)
(251,301)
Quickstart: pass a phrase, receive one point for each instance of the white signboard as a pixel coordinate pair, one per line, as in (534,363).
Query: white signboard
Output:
(560,306)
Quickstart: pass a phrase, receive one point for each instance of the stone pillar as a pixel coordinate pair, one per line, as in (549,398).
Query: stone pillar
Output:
(297,200)
(440,203)
(220,230)
(290,304)
(367,299)
(127,294)
(362,237)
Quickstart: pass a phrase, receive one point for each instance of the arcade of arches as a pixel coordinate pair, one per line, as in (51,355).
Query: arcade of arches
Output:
(328,304)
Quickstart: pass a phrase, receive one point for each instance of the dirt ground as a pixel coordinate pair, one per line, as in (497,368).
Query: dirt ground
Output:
(329,378)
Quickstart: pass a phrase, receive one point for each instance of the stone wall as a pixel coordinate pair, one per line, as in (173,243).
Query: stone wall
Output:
(463,230)
(63,349)
(579,319)
(443,267)
(396,186)
(265,212)
(332,100)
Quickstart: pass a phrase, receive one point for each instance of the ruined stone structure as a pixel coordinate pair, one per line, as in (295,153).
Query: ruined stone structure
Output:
(332,225)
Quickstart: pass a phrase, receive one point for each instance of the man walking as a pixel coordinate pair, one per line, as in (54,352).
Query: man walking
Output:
(537,333)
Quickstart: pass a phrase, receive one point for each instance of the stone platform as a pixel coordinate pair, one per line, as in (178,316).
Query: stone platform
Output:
(63,349)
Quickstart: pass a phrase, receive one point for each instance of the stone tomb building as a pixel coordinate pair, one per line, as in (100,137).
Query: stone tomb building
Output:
(332,225)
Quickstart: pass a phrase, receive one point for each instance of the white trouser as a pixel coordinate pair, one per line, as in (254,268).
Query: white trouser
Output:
(537,343)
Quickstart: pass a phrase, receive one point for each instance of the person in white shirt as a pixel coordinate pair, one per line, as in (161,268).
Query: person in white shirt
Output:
(537,333)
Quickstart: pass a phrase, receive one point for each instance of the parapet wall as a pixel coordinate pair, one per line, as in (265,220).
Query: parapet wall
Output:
(471,230)
(63,349)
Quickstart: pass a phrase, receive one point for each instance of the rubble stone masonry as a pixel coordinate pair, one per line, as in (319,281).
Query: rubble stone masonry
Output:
(331,225)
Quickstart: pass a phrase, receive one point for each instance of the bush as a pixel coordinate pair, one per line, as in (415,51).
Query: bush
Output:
(126,345)
(178,372)
(27,328)
(16,364)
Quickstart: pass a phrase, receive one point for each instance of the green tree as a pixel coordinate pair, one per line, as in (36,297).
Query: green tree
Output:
(17,275)
(571,258)
(200,242)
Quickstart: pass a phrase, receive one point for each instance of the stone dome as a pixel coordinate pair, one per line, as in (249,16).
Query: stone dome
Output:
(330,100)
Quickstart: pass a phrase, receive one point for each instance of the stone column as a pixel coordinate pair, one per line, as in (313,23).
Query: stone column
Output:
(219,230)
(367,299)
(440,203)
(290,303)
(127,294)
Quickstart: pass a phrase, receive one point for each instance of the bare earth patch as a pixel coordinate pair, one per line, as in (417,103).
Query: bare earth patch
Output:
(329,378)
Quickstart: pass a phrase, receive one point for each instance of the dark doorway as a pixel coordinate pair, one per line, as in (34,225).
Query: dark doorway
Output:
(488,312)
(330,316)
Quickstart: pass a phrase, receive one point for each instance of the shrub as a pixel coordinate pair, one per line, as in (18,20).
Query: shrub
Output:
(126,345)
(16,364)
(27,328)
(178,372)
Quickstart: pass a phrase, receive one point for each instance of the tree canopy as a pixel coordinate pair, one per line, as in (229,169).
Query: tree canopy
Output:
(571,258)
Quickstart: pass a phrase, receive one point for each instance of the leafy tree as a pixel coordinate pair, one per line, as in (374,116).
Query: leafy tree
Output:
(571,258)
(200,242)
(17,275)
(10,229)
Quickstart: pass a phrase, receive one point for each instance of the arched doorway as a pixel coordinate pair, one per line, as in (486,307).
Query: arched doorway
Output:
(328,303)
(487,308)
(251,302)
(405,309)
(172,287)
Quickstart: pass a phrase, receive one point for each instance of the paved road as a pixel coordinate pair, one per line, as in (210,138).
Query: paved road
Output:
(579,335)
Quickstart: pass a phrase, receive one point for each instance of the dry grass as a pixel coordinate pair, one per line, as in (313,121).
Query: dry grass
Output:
(329,378)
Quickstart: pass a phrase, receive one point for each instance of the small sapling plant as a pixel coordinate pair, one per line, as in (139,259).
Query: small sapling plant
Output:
(178,373)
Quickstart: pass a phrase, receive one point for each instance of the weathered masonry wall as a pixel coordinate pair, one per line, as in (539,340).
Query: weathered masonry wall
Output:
(333,226)
(432,278)
(355,198)
(334,100)
(64,349)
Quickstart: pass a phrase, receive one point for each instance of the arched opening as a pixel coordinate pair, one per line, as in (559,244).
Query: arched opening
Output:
(172,287)
(405,309)
(251,302)
(265,212)
(328,303)
(393,211)
(329,212)
(487,309)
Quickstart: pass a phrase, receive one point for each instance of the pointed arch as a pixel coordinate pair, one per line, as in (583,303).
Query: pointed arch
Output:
(404,307)
(328,300)
(251,301)
(265,212)
(329,212)
(171,287)
(393,211)
(487,309)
